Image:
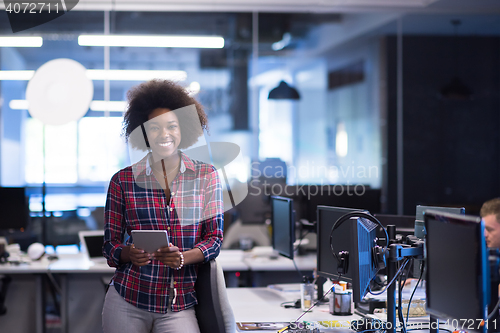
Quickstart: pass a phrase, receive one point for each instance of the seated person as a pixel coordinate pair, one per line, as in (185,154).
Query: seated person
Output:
(490,213)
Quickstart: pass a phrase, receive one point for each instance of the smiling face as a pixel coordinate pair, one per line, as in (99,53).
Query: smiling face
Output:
(164,133)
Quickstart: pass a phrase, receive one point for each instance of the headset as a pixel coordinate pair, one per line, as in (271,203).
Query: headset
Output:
(378,253)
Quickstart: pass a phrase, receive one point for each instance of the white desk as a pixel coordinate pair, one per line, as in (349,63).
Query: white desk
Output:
(280,263)
(83,286)
(268,268)
(264,305)
(25,297)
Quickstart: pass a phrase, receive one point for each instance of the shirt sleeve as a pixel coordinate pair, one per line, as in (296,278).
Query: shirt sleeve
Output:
(213,217)
(114,222)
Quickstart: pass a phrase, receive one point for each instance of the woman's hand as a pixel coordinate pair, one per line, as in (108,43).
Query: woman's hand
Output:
(169,255)
(137,256)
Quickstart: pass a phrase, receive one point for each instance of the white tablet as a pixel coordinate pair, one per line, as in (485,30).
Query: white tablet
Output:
(150,240)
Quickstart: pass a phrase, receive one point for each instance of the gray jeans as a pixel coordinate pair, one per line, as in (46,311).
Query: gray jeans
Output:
(119,316)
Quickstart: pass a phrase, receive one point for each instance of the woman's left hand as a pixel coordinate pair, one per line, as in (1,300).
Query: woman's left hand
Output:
(169,255)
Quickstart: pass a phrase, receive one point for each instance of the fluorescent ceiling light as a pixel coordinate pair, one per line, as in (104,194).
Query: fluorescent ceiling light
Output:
(16,75)
(135,75)
(108,106)
(22,104)
(113,75)
(21,41)
(214,42)
(19,104)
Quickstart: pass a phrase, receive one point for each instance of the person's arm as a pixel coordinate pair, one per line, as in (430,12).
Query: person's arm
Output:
(114,230)
(213,218)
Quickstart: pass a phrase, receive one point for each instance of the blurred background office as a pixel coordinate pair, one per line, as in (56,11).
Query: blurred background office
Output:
(399,97)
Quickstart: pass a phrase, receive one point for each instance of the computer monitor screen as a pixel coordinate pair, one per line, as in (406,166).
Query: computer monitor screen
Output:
(356,236)
(457,271)
(283,225)
(14,208)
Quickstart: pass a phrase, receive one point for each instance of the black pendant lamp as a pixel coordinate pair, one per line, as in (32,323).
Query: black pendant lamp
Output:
(284,91)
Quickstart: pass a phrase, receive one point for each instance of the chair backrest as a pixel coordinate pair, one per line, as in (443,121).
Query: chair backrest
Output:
(213,311)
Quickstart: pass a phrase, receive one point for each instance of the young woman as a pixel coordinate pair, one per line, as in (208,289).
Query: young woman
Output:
(165,190)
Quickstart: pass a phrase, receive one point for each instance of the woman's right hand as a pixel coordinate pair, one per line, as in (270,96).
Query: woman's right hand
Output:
(136,256)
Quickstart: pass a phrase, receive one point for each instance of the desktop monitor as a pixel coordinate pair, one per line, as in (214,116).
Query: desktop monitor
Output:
(419,231)
(283,225)
(356,236)
(457,272)
(419,216)
(14,207)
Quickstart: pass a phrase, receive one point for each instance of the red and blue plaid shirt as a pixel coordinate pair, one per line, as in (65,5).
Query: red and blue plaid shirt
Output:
(193,219)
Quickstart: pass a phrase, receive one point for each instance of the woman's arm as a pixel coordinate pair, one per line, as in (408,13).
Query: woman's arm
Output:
(114,222)
(213,218)
(114,230)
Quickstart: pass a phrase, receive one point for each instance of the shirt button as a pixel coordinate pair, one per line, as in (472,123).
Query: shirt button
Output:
(171,209)
(168,228)
(175,282)
(173,193)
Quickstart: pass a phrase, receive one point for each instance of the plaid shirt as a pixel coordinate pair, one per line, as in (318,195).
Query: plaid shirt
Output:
(193,218)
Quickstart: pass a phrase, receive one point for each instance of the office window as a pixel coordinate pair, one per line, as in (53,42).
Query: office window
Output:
(276,140)
(90,150)
(101,148)
(60,152)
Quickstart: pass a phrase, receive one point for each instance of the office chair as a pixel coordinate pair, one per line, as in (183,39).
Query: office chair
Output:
(213,311)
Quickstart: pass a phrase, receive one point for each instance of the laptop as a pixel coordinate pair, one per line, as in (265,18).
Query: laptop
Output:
(91,244)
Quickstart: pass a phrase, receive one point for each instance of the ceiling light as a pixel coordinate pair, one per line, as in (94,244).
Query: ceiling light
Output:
(215,42)
(113,106)
(101,74)
(135,75)
(284,91)
(16,75)
(19,104)
(119,106)
(21,41)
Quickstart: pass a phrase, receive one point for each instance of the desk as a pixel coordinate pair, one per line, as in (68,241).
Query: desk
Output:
(25,297)
(233,265)
(82,292)
(264,305)
(82,287)
(267,269)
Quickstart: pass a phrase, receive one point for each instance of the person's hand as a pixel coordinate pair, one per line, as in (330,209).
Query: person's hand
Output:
(169,255)
(139,257)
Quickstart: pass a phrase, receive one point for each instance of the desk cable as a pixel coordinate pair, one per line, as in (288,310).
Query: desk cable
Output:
(401,284)
(308,310)
(393,279)
(422,265)
(297,268)
(54,282)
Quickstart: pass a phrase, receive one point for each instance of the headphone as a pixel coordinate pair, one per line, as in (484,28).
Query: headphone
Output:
(378,253)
